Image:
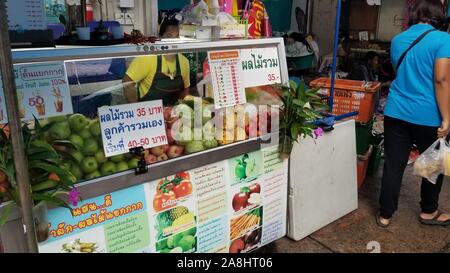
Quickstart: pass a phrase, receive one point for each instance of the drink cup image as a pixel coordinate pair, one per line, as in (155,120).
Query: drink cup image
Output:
(40,109)
(59,105)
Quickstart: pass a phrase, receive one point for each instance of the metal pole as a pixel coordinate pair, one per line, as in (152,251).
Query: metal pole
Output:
(83,13)
(335,49)
(20,162)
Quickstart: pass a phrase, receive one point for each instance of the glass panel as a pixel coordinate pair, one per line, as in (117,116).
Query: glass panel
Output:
(182,81)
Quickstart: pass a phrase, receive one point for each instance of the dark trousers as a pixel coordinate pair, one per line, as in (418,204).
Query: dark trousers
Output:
(399,137)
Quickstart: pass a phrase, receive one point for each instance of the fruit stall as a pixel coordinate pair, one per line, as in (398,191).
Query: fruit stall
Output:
(146,189)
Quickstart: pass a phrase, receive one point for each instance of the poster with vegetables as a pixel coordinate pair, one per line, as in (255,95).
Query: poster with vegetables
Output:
(42,90)
(113,223)
(232,206)
(245,168)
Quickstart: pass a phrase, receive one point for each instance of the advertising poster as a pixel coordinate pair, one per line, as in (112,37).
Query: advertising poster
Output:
(54,9)
(42,90)
(233,206)
(113,223)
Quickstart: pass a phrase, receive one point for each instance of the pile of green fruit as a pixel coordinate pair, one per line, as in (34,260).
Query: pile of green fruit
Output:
(179,243)
(185,135)
(79,140)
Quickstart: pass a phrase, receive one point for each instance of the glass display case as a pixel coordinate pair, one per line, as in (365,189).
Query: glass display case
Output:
(167,141)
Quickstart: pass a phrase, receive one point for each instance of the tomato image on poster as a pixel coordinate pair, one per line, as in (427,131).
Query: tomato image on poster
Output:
(171,190)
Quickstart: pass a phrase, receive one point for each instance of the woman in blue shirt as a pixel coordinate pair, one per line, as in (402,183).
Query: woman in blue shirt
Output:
(418,107)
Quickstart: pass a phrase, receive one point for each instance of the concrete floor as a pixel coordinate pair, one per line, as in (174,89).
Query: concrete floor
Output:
(353,232)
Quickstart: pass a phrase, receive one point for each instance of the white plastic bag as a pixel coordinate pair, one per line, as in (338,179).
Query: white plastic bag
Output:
(447,160)
(430,164)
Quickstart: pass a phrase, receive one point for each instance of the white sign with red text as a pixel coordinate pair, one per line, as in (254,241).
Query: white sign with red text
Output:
(132,125)
(260,66)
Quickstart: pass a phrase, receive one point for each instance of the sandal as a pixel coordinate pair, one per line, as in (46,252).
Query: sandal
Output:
(379,223)
(434,221)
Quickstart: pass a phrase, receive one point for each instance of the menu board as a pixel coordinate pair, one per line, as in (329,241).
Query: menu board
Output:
(3,114)
(236,205)
(42,90)
(26,15)
(226,75)
(132,125)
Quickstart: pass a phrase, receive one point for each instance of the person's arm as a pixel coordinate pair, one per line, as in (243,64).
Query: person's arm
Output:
(129,89)
(442,87)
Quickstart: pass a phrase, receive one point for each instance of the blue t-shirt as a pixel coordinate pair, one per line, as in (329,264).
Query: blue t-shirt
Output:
(412,95)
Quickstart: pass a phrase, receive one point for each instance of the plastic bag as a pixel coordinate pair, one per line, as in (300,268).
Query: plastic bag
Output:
(447,160)
(430,164)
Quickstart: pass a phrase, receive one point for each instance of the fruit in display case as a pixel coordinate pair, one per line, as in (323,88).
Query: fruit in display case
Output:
(162,157)
(100,157)
(86,133)
(93,175)
(95,129)
(78,122)
(77,171)
(122,166)
(117,158)
(150,159)
(90,147)
(194,146)
(60,131)
(158,150)
(108,168)
(175,151)
(89,164)
(77,140)
(133,163)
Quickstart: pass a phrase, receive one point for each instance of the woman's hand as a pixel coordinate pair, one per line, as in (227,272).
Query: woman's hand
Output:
(444,130)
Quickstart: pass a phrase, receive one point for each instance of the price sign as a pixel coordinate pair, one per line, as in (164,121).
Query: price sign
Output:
(260,66)
(43,90)
(132,125)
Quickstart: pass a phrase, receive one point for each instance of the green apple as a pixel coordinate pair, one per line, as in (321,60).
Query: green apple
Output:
(89,165)
(60,131)
(90,146)
(108,168)
(93,175)
(95,128)
(122,166)
(57,119)
(194,147)
(117,158)
(133,163)
(100,157)
(78,122)
(86,133)
(77,172)
(77,155)
(77,141)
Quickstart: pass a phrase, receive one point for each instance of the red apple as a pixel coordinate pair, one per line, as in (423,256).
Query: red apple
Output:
(150,159)
(166,148)
(237,246)
(175,151)
(167,113)
(162,157)
(158,150)
(170,139)
(255,188)
(240,200)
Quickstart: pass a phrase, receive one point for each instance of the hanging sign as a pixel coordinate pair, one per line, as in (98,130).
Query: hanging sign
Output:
(132,125)
(42,90)
(260,66)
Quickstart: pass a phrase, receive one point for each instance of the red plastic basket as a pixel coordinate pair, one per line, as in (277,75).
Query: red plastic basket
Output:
(351,96)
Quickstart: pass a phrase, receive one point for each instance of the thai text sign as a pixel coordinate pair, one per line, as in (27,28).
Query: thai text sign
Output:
(132,125)
(260,66)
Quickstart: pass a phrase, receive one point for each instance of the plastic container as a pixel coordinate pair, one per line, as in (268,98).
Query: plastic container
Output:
(84,33)
(117,32)
(351,96)
(363,136)
(301,63)
(362,166)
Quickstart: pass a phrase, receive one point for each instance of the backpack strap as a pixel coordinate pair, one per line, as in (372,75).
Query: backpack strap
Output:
(411,46)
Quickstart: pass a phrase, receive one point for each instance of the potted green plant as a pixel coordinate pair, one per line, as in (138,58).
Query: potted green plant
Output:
(300,107)
(51,181)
